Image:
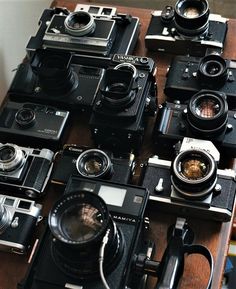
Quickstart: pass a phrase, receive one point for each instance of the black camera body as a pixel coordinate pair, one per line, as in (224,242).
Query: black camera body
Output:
(191,185)
(188,28)
(90,30)
(59,79)
(127,95)
(126,205)
(24,170)
(18,218)
(206,116)
(93,163)
(27,123)
(187,75)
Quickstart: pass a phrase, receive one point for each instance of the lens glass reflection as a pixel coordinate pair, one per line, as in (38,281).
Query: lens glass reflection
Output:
(194,169)
(93,165)
(7,153)
(207,108)
(191,12)
(81,222)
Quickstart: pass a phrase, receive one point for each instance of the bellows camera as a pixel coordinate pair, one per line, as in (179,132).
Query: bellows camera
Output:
(188,28)
(27,123)
(24,170)
(94,231)
(18,217)
(91,30)
(92,163)
(206,116)
(187,75)
(191,184)
(126,96)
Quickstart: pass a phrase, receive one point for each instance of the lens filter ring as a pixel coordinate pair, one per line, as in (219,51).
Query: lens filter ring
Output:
(25,117)
(207,113)
(194,174)
(191,17)
(80,23)
(213,70)
(94,163)
(11,157)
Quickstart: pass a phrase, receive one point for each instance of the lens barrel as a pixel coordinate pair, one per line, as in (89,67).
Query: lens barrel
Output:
(25,117)
(94,163)
(53,69)
(191,17)
(207,113)
(78,223)
(80,23)
(11,157)
(213,70)
(194,174)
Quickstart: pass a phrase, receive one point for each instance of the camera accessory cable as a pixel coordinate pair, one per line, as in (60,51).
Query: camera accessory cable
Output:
(101,259)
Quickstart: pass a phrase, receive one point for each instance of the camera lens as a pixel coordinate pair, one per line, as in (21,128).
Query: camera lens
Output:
(94,163)
(25,117)
(78,223)
(207,113)
(56,76)
(80,23)
(5,218)
(11,157)
(118,91)
(194,174)
(191,17)
(213,71)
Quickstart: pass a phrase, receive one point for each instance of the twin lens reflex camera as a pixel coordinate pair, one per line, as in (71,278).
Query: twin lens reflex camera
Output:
(92,163)
(191,184)
(187,28)
(90,30)
(95,229)
(24,170)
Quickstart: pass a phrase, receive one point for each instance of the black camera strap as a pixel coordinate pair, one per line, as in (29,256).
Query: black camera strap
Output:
(202,250)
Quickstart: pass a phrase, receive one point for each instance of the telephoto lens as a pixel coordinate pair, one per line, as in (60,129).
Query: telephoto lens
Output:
(78,222)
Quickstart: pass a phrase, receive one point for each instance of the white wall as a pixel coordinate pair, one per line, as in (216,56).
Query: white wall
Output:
(18,21)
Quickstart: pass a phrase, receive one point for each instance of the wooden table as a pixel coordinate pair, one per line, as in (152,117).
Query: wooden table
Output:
(211,234)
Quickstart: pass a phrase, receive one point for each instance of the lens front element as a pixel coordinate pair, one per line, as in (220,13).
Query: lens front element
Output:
(11,157)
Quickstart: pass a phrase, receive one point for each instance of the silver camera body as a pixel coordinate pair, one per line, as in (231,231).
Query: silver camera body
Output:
(18,217)
(25,170)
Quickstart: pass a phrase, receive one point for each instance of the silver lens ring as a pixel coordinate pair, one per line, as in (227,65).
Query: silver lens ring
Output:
(15,160)
(90,155)
(5,218)
(80,23)
(127,66)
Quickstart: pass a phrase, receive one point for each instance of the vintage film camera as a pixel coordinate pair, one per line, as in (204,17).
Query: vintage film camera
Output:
(188,28)
(58,78)
(69,252)
(92,163)
(24,170)
(30,123)
(18,217)
(187,75)
(206,116)
(90,29)
(126,96)
(191,184)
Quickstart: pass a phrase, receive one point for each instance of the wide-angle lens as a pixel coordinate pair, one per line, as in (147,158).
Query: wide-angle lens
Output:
(80,23)
(194,174)
(94,163)
(191,17)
